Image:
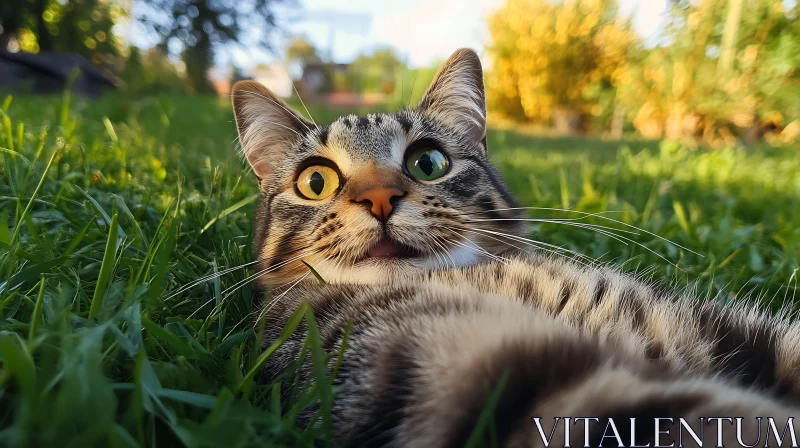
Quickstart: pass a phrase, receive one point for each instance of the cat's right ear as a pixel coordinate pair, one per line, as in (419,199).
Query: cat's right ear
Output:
(456,95)
(268,127)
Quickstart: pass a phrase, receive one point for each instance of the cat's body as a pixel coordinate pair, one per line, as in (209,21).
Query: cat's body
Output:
(423,356)
(420,243)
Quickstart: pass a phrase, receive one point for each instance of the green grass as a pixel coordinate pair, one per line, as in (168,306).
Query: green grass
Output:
(108,208)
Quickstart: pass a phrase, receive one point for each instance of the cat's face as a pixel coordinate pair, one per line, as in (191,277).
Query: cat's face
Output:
(366,198)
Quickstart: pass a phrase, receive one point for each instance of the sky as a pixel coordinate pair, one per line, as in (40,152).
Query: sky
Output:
(421,31)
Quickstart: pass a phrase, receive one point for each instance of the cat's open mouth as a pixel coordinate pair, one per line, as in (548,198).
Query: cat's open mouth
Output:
(389,248)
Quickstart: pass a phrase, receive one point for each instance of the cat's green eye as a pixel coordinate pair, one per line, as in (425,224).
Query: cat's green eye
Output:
(427,163)
(317,182)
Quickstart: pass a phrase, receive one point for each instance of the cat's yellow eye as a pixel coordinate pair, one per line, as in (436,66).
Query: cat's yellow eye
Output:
(317,182)
(427,163)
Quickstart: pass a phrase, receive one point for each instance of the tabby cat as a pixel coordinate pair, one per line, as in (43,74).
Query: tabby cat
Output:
(421,247)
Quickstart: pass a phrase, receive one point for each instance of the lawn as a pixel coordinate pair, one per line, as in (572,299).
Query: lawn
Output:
(111,210)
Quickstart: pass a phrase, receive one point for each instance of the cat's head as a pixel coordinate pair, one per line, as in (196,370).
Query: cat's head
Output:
(366,198)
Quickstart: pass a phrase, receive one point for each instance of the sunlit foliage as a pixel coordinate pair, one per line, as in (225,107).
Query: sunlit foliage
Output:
(685,89)
(76,26)
(557,62)
(720,71)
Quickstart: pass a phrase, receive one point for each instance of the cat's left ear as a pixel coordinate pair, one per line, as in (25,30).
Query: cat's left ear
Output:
(456,96)
(268,127)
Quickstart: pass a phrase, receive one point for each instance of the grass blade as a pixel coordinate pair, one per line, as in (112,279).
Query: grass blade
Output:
(21,218)
(319,366)
(106,268)
(230,210)
(486,419)
(288,330)
(37,311)
(314,271)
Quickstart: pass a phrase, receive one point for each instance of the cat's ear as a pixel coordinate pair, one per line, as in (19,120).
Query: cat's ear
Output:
(456,95)
(268,127)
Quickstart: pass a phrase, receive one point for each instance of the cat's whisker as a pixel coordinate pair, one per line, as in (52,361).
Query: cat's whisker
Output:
(411,92)
(619,238)
(441,259)
(622,239)
(505,243)
(226,293)
(566,221)
(339,259)
(295,88)
(599,215)
(242,320)
(498,257)
(435,253)
(278,288)
(276,300)
(488,234)
(479,250)
(225,297)
(483,251)
(546,247)
(789,285)
(232,289)
(249,280)
(209,277)
(557,209)
(445,252)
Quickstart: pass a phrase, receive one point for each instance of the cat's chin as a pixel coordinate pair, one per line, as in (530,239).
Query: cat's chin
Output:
(374,270)
(386,269)
(399,263)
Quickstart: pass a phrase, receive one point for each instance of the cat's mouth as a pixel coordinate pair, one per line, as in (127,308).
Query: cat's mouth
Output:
(389,248)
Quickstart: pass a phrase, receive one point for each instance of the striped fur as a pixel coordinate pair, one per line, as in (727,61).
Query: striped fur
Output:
(434,334)
(424,354)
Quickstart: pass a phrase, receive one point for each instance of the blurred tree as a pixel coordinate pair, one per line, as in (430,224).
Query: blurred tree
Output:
(724,70)
(302,52)
(74,26)
(15,17)
(300,55)
(730,70)
(202,27)
(237,75)
(557,62)
(374,72)
(151,72)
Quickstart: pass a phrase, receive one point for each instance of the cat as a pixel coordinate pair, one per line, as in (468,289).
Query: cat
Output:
(421,247)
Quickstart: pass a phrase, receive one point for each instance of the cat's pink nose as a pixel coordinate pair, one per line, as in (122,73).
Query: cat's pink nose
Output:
(380,199)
